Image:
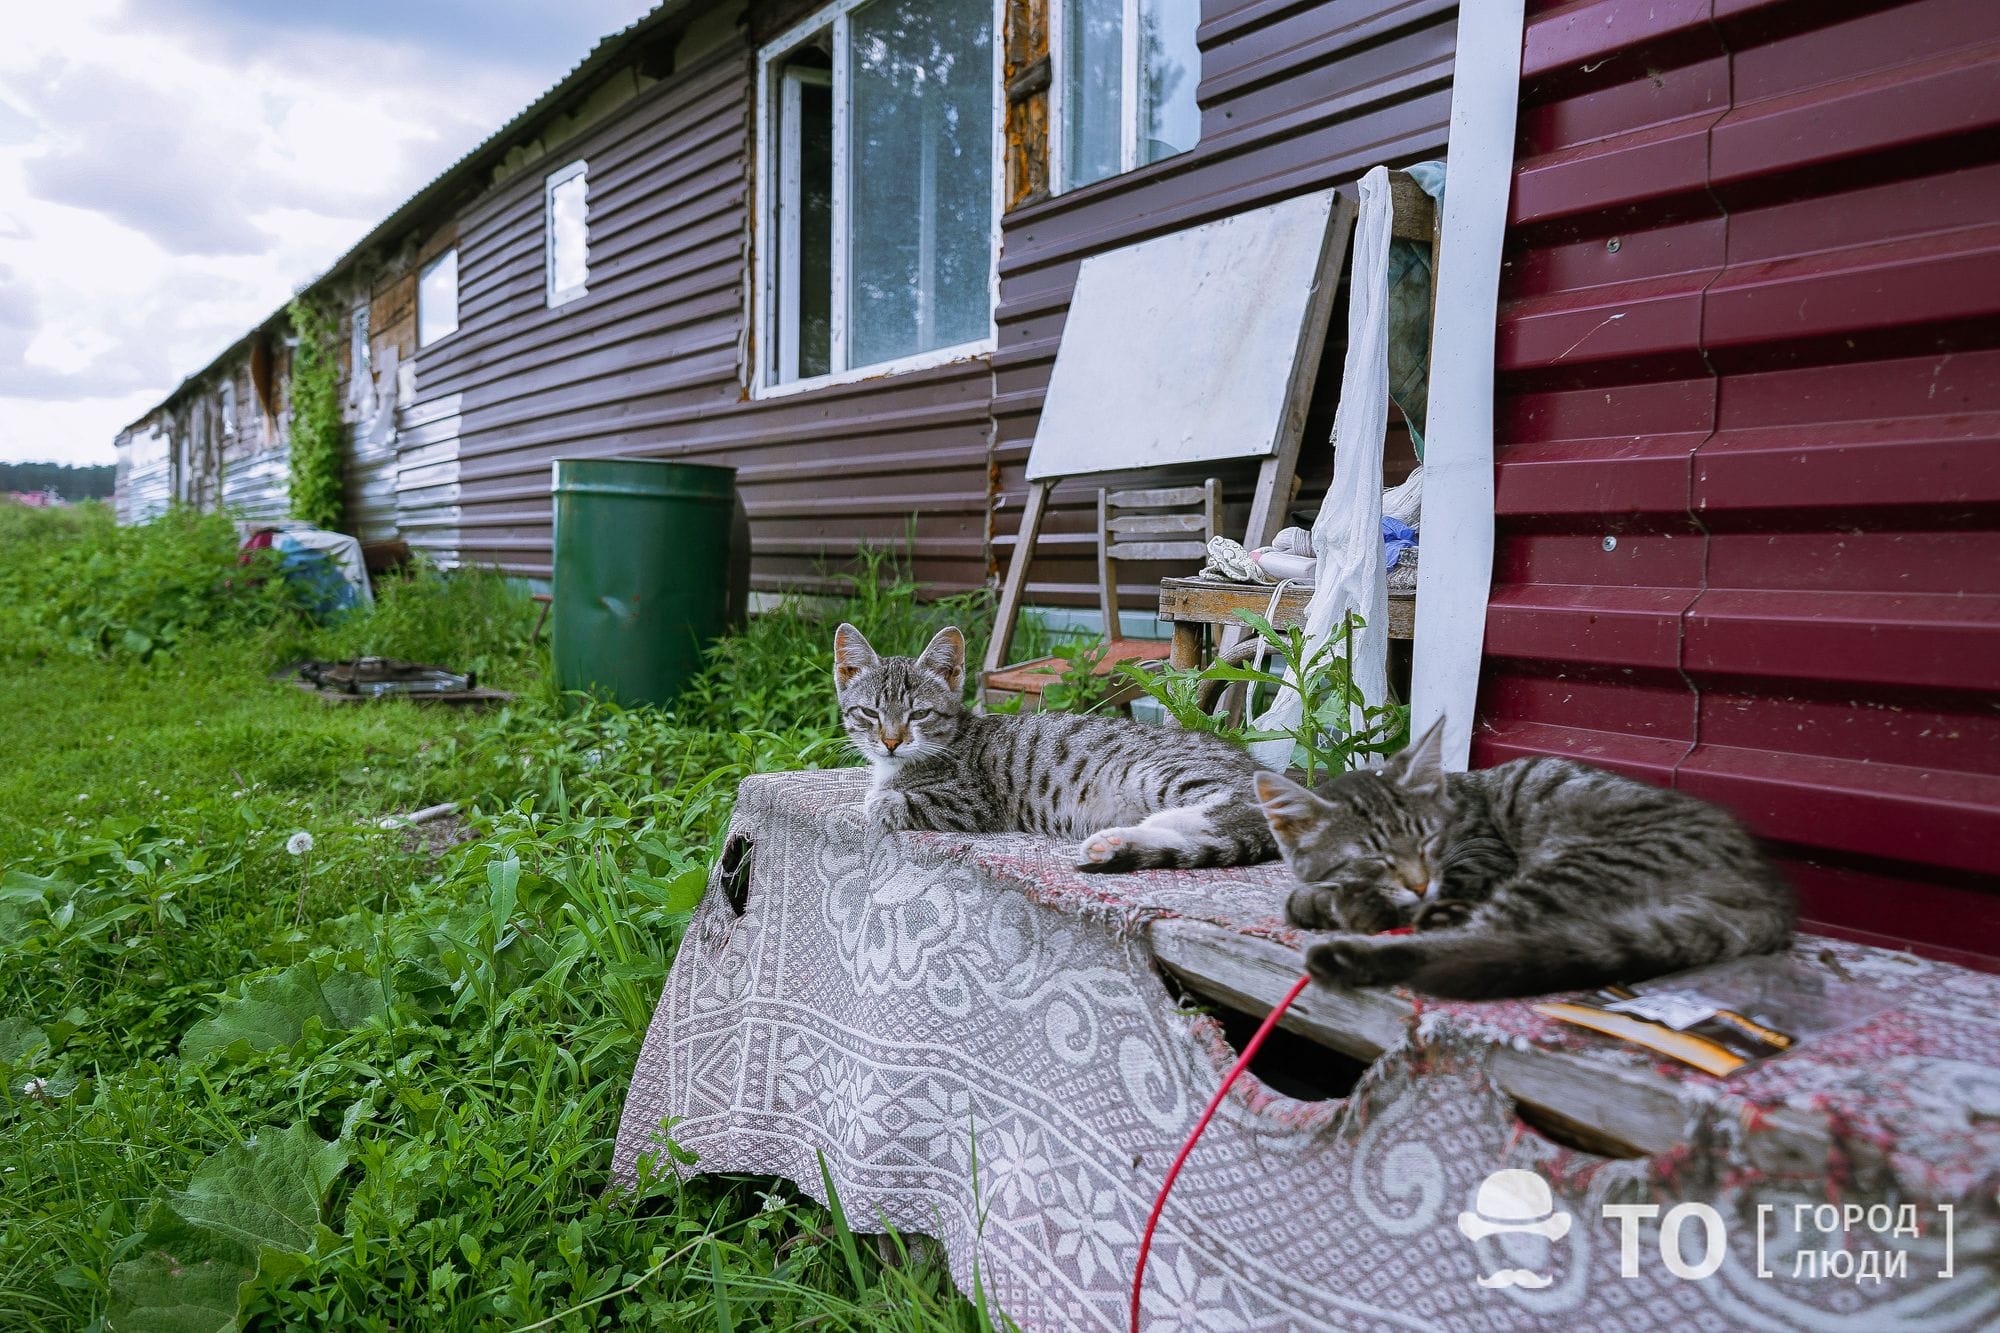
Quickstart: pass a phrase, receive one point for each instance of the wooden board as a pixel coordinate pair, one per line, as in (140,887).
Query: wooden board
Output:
(1622,1104)
(1204,602)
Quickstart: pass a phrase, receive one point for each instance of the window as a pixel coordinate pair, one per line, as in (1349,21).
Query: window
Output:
(228,409)
(360,355)
(566,234)
(1126,90)
(437,299)
(878,174)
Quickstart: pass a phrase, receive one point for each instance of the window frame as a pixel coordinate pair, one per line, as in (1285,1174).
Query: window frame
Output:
(225,410)
(555,297)
(424,269)
(766,317)
(360,350)
(1130,56)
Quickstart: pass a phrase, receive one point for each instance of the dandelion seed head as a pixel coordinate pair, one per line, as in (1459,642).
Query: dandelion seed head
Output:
(299,843)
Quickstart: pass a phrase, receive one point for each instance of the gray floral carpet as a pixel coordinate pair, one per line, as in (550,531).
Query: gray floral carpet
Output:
(978,1042)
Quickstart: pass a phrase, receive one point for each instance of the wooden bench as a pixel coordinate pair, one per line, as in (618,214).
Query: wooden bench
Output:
(1191,605)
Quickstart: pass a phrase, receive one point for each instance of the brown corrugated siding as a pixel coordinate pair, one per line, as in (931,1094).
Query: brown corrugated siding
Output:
(1749,435)
(650,363)
(1294,97)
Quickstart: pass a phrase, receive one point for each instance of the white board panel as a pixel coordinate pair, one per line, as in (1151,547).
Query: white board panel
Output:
(1180,349)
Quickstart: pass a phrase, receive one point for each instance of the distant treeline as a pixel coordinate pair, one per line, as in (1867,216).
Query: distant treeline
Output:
(71,483)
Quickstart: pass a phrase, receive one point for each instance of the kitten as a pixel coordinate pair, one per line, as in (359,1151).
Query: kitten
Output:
(1135,795)
(1538,875)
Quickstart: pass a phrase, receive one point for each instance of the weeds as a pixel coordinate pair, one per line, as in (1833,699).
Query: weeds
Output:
(398,1111)
(1337,723)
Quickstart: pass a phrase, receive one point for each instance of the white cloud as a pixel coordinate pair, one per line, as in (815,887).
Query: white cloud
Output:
(170,173)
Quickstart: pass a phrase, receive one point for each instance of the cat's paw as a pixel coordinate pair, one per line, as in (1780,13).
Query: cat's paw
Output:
(1356,902)
(1311,906)
(1348,960)
(1109,850)
(888,812)
(1443,914)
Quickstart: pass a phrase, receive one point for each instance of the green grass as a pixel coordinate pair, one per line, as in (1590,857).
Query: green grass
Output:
(361,1087)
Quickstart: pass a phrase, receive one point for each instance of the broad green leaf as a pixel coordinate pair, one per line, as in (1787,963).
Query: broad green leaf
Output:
(685,892)
(273,1011)
(20,1041)
(186,1280)
(251,1204)
(265,1193)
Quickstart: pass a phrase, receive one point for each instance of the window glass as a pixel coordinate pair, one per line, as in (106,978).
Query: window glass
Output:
(437,298)
(1127,98)
(802,342)
(568,234)
(1093,49)
(1171,68)
(920,210)
(228,409)
(361,357)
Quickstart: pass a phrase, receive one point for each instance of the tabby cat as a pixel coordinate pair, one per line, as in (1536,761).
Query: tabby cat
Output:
(1538,875)
(1134,795)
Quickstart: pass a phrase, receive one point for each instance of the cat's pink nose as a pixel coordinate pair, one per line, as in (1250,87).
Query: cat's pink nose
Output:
(890,743)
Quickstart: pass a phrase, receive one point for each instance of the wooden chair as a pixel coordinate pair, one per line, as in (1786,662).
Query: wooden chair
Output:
(1159,524)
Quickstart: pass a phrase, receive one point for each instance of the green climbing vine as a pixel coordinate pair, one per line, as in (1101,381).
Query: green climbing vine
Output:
(317,431)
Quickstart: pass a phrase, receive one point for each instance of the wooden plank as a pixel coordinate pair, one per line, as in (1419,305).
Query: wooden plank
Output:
(1205,602)
(1160,523)
(1107,569)
(1412,213)
(1009,610)
(1166,497)
(1274,478)
(1625,1104)
(1195,551)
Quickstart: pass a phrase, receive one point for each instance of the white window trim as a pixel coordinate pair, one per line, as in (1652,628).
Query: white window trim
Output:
(766,319)
(1128,96)
(567,294)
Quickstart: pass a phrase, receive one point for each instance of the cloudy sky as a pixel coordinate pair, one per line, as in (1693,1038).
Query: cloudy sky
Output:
(171,170)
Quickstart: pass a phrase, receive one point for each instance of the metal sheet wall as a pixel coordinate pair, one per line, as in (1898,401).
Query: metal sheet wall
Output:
(650,363)
(1294,97)
(1749,441)
(145,475)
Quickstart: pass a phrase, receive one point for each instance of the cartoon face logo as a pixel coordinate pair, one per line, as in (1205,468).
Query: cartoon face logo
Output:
(1512,1203)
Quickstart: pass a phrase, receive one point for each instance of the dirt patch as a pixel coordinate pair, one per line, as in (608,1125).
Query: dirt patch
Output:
(436,837)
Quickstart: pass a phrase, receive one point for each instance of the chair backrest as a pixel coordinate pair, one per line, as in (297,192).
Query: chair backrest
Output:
(1165,523)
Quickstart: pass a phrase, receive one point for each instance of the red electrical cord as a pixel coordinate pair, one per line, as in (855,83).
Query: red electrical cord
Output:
(1242,1063)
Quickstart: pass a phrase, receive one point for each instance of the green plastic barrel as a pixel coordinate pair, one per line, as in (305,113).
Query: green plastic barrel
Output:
(643,573)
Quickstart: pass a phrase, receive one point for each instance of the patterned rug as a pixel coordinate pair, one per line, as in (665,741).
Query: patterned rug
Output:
(978,1041)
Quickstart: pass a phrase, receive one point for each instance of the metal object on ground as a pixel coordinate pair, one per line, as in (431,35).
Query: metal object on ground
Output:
(363,678)
(642,559)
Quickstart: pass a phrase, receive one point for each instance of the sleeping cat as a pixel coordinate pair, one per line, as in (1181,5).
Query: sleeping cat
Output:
(1538,875)
(1134,795)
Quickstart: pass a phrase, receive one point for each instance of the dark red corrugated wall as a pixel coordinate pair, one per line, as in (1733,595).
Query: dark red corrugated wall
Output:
(1748,448)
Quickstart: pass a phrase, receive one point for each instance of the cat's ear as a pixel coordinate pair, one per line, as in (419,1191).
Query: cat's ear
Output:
(1420,767)
(851,655)
(1290,810)
(944,657)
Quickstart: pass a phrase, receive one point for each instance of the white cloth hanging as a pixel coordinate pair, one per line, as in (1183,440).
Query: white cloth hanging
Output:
(1347,535)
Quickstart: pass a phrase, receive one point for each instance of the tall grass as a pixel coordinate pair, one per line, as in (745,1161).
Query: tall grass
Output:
(355,1087)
